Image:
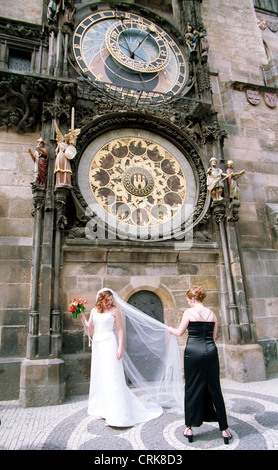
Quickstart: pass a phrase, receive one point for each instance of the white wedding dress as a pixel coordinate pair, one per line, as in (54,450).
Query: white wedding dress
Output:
(110,397)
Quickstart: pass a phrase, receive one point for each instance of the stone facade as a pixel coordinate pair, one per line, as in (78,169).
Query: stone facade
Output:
(28,11)
(47,260)
(167,273)
(237,65)
(16,256)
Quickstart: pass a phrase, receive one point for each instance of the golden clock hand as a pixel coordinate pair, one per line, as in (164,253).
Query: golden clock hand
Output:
(152,30)
(140,43)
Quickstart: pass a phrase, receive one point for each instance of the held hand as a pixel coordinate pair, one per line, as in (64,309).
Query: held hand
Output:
(119,353)
(83,318)
(32,155)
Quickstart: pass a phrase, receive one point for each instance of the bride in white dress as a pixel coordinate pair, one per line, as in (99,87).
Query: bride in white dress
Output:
(110,398)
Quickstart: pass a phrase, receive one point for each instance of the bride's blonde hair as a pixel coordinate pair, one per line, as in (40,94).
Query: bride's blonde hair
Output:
(102,296)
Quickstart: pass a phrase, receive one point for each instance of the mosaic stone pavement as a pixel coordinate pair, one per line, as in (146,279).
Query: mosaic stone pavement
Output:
(252,410)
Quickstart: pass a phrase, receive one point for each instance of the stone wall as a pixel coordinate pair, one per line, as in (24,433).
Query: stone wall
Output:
(16,238)
(168,273)
(262,266)
(236,55)
(29,10)
(236,50)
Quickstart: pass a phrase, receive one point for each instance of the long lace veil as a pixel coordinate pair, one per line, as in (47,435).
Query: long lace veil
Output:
(159,355)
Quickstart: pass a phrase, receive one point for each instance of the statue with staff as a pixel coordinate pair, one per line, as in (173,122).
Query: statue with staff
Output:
(216,178)
(232,180)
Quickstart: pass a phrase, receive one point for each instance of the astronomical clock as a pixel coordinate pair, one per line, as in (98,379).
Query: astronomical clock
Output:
(137,182)
(123,49)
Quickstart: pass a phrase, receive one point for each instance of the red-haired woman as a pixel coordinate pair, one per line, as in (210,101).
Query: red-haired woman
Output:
(203,396)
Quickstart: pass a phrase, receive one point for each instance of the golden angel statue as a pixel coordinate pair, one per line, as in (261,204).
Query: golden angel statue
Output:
(65,151)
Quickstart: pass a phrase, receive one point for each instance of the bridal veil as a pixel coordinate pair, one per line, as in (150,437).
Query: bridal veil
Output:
(158,349)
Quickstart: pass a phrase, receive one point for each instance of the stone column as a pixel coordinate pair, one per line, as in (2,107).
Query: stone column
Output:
(42,377)
(59,53)
(237,272)
(38,203)
(65,60)
(60,204)
(50,66)
(243,356)
(233,326)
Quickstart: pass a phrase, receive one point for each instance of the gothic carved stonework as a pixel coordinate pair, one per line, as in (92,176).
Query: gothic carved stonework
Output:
(38,192)
(211,131)
(181,108)
(60,103)
(21,103)
(60,205)
(219,211)
(233,211)
(23,30)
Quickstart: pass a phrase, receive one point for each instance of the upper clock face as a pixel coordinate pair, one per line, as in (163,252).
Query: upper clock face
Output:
(125,51)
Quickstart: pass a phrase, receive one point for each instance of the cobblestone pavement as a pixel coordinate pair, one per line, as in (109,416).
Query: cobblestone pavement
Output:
(252,410)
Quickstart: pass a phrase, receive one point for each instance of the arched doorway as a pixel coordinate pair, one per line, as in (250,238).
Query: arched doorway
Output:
(149,303)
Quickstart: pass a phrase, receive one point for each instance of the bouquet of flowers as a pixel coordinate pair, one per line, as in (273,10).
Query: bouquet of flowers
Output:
(76,307)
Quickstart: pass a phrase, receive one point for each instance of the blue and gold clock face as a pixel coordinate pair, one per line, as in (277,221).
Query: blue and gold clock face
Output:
(121,50)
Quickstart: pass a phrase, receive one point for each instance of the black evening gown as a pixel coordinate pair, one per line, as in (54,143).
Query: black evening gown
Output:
(203,396)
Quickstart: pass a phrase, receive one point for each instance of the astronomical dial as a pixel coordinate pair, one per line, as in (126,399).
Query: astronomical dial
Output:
(146,52)
(137,181)
(137,184)
(127,54)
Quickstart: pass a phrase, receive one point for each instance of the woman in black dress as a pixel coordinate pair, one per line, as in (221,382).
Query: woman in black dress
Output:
(203,397)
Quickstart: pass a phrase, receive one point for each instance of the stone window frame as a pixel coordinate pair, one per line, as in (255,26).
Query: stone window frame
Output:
(26,49)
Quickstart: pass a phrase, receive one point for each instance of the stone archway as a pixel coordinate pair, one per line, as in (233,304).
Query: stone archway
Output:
(152,284)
